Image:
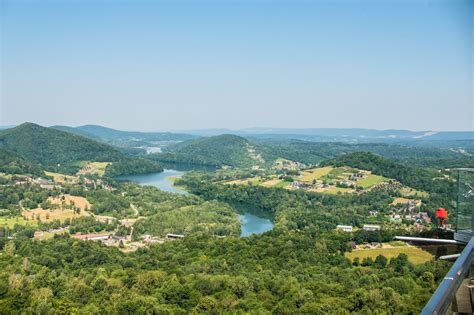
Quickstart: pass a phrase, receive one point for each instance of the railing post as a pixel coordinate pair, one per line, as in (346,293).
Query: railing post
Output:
(445,294)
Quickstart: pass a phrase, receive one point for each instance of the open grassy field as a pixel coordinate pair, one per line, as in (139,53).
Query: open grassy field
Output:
(415,254)
(60,178)
(80,202)
(49,235)
(308,176)
(63,212)
(10,222)
(272,182)
(371,180)
(401,200)
(409,192)
(281,184)
(246,181)
(94,168)
(4,175)
(334,190)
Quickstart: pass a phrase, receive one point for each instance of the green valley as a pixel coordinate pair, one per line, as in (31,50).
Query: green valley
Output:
(74,238)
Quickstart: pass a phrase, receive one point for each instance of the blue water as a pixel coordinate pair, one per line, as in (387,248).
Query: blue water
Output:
(252,224)
(160,180)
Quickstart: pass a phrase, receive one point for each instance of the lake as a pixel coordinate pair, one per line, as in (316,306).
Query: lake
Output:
(252,224)
(162,180)
(251,221)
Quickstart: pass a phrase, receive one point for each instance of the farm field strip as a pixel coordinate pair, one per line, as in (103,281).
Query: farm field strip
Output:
(415,254)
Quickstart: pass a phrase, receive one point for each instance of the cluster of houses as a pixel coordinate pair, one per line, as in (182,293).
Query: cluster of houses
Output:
(46,183)
(85,170)
(42,182)
(125,242)
(97,183)
(297,185)
(288,165)
(349,182)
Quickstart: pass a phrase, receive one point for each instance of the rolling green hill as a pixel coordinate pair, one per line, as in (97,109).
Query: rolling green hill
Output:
(223,150)
(50,147)
(414,177)
(62,151)
(314,152)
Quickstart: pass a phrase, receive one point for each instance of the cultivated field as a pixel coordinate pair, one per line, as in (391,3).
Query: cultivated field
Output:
(409,192)
(64,210)
(94,168)
(272,182)
(308,176)
(6,176)
(60,178)
(333,190)
(10,222)
(415,254)
(370,180)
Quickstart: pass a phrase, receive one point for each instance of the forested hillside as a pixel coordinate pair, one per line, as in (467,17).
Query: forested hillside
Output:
(12,163)
(411,176)
(129,166)
(50,147)
(62,151)
(232,150)
(224,150)
(425,156)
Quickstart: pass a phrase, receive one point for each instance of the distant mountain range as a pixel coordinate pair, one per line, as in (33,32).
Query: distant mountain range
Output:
(354,135)
(63,148)
(110,134)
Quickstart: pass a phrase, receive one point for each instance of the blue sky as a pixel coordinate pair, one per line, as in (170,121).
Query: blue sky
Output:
(154,65)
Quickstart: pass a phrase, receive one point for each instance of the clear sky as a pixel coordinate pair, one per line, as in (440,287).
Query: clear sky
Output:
(155,65)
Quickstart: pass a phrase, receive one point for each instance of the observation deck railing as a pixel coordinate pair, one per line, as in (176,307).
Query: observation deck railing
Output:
(455,294)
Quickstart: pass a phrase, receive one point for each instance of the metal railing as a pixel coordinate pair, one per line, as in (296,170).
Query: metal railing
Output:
(445,294)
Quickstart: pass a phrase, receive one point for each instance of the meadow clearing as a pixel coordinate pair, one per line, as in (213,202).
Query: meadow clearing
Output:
(307,176)
(10,222)
(65,209)
(370,181)
(60,178)
(415,255)
(97,168)
(401,200)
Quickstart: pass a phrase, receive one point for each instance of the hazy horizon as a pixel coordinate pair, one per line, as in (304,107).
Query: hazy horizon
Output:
(151,66)
(262,129)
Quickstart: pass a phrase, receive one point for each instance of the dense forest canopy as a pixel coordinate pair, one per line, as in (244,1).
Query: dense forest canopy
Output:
(282,273)
(12,163)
